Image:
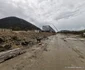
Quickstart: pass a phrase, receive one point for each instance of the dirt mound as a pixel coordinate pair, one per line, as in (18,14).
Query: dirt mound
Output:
(20,39)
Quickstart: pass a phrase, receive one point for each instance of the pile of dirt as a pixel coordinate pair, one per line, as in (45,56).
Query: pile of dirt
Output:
(20,39)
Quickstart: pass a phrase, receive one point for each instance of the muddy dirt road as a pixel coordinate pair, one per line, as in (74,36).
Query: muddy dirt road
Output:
(59,52)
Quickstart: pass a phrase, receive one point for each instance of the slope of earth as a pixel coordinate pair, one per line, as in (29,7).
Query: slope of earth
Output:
(20,39)
(59,52)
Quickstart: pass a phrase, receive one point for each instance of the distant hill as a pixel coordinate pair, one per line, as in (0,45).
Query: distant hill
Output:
(16,23)
(72,32)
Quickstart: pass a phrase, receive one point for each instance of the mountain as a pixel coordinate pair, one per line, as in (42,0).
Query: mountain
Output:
(16,23)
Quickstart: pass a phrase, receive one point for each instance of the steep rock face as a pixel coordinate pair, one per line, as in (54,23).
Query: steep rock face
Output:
(16,24)
(48,28)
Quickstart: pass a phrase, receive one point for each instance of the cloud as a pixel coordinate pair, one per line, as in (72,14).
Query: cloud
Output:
(70,10)
(64,14)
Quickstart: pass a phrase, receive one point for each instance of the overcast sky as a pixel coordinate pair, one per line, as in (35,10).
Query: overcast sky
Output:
(63,14)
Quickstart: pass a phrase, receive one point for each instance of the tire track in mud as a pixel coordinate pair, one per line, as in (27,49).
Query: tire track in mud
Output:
(76,49)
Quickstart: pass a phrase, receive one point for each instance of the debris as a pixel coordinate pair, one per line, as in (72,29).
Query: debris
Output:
(7,47)
(10,54)
(24,43)
(15,38)
(1,40)
(39,39)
